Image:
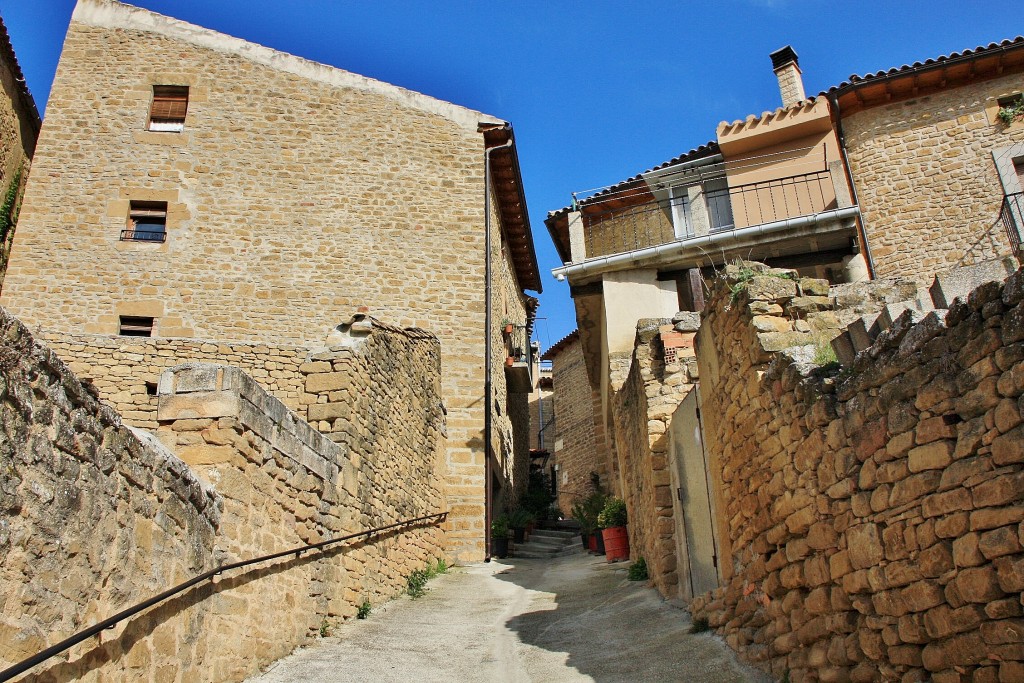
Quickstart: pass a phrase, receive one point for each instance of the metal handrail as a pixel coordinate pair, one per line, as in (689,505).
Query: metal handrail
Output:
(110,622)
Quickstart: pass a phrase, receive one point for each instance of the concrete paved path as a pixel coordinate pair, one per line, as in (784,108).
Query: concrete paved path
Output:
(570,619)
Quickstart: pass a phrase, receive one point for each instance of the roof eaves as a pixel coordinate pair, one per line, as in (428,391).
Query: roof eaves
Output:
(978,52)
(560,345)
(28,101)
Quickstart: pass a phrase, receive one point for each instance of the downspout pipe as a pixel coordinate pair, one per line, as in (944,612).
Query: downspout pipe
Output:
(861,229)
(488,353)
(702,243)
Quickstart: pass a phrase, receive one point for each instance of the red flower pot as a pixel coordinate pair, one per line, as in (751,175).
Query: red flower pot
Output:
(616,543)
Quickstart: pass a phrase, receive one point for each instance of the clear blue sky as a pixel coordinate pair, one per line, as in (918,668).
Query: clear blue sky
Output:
(597,90)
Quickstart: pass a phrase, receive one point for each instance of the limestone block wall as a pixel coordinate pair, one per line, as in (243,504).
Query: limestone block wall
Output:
(296,193)
(96,517)
(572,441)
(126,370)
(926,178)
(642,408)
(870,516)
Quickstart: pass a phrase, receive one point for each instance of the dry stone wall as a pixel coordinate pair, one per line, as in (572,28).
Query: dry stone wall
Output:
(96,518)
(869,517)
(642,407)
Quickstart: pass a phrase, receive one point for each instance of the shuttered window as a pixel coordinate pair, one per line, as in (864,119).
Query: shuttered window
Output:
(170,104)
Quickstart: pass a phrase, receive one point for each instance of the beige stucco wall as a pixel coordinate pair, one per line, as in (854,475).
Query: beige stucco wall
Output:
(791,142)
(296,193)
(926,179)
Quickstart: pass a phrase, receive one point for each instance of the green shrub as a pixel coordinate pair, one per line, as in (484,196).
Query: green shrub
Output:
(638,570)
(613,514)
(363,610)
(500,526)
(417,583)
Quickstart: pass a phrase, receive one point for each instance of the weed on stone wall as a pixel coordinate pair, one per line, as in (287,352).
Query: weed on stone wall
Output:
(363,610)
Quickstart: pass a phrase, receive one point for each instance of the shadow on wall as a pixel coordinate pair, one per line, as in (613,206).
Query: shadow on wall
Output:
(612,629)
(114,648)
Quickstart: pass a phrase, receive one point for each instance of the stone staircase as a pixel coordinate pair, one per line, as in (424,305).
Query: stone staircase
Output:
(900,307)
(546,543)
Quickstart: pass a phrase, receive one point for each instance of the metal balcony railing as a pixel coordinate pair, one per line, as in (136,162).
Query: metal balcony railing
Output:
(618,231)
(1012,218)
(143,236)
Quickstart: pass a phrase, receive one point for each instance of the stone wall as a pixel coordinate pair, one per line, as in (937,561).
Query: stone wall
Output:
(296,193)
(869,516)
(97,518)
(642,407)
(572,440)
(19,128)
(926,178)
(126,370)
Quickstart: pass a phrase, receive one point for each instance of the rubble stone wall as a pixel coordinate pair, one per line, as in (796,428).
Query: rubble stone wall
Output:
(869,517)
(642,407)
(926,177)
(97,517)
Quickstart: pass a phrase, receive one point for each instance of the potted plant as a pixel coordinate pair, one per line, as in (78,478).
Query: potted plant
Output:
(585,513)
(499,536)
(518,520)
(612,521)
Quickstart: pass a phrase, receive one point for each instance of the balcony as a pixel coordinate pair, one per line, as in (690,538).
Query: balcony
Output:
(1012,218)
(143,236)
(671,220)
(518,359)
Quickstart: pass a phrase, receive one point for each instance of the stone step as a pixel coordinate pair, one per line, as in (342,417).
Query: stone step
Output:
(559,535)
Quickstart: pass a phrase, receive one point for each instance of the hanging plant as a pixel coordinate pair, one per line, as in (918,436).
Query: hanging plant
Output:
(1012,112)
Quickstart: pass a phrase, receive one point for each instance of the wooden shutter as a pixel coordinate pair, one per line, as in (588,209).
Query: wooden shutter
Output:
(170,103)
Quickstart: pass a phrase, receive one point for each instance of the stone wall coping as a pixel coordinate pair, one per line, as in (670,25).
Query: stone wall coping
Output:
(232,393)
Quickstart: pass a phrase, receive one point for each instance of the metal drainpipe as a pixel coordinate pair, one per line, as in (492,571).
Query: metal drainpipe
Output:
(488,313)
(834,101)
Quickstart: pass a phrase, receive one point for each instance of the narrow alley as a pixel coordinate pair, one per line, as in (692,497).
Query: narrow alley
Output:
(569,618)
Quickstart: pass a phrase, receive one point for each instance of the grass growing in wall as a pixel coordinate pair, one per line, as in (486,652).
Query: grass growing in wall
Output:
(363,610)
(416,586)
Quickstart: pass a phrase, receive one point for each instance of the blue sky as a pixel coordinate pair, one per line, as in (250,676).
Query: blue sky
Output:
(597,90)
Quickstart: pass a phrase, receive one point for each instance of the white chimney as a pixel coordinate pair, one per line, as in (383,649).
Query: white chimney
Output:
(787,69)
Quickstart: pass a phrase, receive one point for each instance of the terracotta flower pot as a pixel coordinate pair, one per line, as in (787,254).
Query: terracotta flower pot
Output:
(616,543)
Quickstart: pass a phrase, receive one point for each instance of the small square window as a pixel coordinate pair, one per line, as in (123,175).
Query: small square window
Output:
(147,222)
(135,326)
(170,104)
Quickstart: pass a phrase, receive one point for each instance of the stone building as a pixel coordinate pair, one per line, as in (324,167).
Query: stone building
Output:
(198,197)
(19,128)
(936,168)
(575,449)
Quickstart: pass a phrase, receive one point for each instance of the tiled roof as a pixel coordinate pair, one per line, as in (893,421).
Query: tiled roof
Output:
(765,116)
(917,67)
(12,60)
(560,345)
(704,150)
